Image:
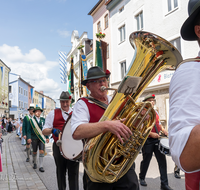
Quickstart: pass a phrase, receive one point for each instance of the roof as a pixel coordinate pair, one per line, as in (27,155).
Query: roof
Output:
(26,82)
(95,7)
(5,65)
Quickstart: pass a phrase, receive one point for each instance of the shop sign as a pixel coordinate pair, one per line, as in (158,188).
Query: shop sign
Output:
(162,78)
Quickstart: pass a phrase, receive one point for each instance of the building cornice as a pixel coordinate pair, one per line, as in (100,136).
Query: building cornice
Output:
(95,7)
(5,65)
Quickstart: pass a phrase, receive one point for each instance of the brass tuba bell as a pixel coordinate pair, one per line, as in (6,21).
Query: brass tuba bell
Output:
(105,159)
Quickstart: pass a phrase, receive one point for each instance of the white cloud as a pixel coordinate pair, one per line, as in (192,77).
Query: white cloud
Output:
(32,67)
(64,33)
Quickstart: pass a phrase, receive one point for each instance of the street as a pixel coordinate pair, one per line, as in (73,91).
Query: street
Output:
(19,174)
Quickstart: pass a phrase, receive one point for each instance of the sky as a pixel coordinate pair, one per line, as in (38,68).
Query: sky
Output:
(32,32)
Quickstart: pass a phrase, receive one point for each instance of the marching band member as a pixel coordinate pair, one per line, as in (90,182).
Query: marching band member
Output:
(150,147)
(53,125)
(26,120)
(184,118)
(35,137)
(84,124)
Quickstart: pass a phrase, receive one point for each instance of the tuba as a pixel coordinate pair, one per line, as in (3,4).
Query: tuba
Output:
(105,158)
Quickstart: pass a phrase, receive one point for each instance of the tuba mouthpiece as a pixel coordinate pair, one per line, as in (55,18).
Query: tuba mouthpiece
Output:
(103,88)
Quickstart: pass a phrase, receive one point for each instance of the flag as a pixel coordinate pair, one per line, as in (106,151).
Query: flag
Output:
(72,76)
(63,66)
(69,80)
(98,61)
(101,57)
(84,71)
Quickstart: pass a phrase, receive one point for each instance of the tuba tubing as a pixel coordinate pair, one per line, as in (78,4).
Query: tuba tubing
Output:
(105,159)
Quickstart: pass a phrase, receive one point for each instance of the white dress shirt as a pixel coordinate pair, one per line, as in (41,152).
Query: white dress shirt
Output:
(184,104)
(50,118)
(81,114)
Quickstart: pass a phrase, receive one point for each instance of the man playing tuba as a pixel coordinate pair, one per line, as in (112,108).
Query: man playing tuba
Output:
(85,125)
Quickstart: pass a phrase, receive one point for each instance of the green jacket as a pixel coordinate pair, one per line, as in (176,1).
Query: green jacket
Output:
(25,125)
(30,132)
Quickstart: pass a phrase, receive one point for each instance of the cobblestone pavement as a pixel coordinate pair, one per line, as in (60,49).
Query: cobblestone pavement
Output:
(19,174)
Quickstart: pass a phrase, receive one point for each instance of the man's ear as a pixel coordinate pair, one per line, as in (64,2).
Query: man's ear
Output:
(197,30)
(88,86)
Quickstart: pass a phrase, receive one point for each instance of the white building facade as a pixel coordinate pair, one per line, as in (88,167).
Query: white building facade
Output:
(163,18)
(75,52)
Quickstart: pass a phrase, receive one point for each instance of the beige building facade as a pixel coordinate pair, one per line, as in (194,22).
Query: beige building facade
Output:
(4,89)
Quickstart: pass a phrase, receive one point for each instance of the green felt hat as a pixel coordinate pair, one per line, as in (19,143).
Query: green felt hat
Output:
(65,96)
(31,108)
(150,96)
(38,108)
(95,73)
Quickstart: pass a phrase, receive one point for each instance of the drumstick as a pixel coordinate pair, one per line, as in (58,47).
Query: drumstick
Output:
(58,142)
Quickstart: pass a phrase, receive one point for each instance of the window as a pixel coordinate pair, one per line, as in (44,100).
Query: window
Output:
(24,92)
(10,104)
(123,69)
(106,21)
(177,43)
(172,4)
(19,104)
(139,19)
(98,27)
(121,9)
(107,51)
(19,89)
(122,32)
(10,89)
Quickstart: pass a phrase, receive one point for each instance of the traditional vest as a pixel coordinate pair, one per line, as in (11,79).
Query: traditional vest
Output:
(157,124)
(58,122)
(94,110)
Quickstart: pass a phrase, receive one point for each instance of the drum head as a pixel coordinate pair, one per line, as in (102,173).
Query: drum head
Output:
(71,148)
(164,142)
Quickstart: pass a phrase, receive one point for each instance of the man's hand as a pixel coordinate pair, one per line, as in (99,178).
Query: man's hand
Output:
(24,137)
(119,129)
(55,132)
(29,141)
(47,140)
(165,132)
(154,135)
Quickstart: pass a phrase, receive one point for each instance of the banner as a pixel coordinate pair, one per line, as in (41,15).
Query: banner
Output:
(72,76)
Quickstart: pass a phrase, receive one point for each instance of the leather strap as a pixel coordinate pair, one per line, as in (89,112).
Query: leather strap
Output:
(97,102)
(188,60)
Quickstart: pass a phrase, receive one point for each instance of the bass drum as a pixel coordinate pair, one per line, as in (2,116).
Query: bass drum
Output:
(69,148)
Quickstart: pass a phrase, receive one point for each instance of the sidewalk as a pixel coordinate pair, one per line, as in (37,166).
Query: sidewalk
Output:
(19,175)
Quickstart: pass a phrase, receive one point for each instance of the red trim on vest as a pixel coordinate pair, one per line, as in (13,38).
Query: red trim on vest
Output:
(157,124)
(58,121)
(94,110)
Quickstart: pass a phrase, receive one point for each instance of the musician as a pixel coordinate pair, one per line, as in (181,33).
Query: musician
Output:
(85,125)
(35,137)
(184,117)
(150,147)
(53,125)
(24,130)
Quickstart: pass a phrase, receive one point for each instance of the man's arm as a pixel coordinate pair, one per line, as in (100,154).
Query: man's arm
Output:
(90,130)
(184,120)
(24,125)
(190,156)
(47,128)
